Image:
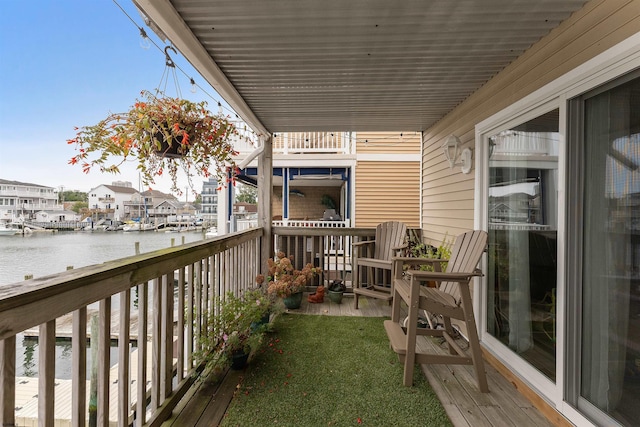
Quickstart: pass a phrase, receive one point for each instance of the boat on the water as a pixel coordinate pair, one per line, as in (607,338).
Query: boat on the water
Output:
(211,232)
(7,231)
(137,226)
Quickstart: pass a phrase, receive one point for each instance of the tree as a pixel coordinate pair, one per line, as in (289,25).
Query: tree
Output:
(77,206)
(247,194)
(72,196)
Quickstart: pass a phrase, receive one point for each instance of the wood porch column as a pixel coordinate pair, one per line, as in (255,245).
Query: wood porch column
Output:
(265,189)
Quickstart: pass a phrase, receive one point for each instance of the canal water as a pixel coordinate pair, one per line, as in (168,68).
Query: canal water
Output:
(41,253)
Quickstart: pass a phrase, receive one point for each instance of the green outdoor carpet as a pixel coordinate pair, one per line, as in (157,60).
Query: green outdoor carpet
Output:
(331,371)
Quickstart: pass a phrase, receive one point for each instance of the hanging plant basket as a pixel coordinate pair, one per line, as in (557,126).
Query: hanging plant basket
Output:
(170,146)
(197,141)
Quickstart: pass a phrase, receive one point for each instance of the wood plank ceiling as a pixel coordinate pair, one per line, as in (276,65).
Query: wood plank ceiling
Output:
(355,65)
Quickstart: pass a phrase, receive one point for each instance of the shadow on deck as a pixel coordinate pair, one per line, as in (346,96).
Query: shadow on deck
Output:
(455,385)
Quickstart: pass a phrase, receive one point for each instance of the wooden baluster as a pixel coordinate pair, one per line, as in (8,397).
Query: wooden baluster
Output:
(104,359)
(166,336)
(143,305)
(197,286)
(46,372)
(235,279)
(204,295)
(79,368)
(189,308)
(180,314)
(8,381)
(156,337)
(124,383)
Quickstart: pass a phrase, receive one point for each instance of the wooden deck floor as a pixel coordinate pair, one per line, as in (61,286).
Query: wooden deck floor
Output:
(455,386)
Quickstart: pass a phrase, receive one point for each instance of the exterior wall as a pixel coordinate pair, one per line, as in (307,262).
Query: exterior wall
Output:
(448,195)
(388,142)
(387,178)
(387,191)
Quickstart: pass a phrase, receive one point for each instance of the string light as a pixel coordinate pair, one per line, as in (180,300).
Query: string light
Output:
(144,41)
(194,88)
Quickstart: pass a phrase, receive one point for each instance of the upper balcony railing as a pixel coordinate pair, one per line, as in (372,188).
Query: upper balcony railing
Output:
(314,142)
(306,143)
(154,307)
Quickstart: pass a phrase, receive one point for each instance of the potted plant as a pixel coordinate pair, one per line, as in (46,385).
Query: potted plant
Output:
(422,250)
(336,291)
(232,335)
(287,282)
(162,134)
(258,308)
(328,202)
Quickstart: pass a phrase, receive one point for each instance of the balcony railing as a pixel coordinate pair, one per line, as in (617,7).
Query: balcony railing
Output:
(305,142)
(314,142)
(137,303)
(328,248)
(137,300)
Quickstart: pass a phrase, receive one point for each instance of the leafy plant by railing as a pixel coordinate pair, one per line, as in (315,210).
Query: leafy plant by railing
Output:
(420,249)
(237,325)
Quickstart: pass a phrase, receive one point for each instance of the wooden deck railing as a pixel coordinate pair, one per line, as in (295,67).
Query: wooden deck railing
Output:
(162,284)
(328,248)
(153,306)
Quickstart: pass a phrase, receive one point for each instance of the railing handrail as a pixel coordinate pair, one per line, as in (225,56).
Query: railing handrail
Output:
(315,231)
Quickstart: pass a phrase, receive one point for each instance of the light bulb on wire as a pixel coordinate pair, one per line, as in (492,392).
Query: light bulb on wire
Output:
(144,41)
(194,88)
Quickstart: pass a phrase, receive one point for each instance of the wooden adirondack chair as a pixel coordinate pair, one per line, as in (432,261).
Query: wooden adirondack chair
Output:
(450,300)
(389,241)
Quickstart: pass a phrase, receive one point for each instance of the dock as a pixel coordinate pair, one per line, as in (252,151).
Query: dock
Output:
(64,326)
(27,387)
(27,396)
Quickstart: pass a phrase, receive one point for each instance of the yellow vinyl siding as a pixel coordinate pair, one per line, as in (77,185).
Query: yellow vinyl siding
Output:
(448,195)
(387,191)
(388,142)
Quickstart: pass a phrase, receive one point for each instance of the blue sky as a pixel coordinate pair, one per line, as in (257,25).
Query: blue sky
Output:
(67,63)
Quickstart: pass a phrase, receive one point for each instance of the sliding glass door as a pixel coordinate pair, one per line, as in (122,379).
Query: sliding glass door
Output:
(609,296)
(522,212)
